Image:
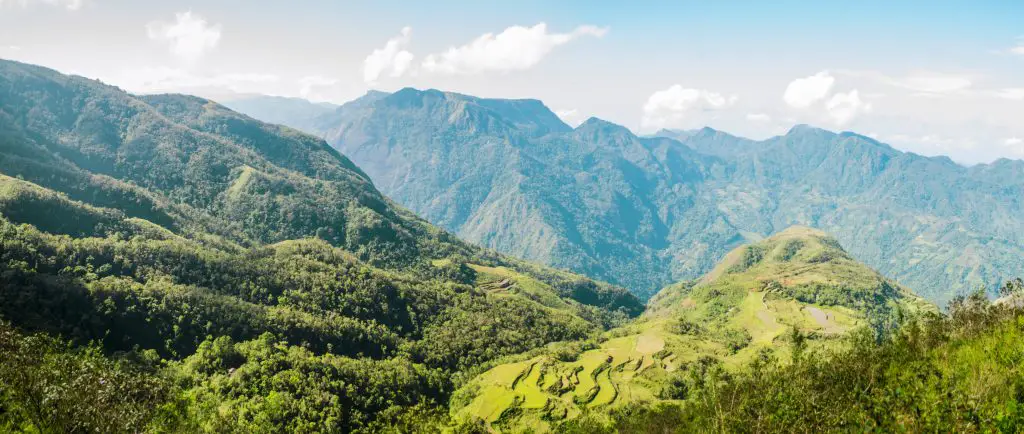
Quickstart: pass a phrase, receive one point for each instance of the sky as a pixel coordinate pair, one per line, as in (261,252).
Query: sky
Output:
(932,77)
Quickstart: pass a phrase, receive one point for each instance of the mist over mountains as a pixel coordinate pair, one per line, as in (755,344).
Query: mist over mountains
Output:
(646,211)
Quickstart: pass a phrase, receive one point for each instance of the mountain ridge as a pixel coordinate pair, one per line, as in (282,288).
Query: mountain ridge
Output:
(646,211)
(171,237)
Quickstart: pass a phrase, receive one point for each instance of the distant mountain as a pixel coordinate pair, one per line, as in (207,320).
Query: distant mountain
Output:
(190,241)
(297,113)
(710,141)
(646,211)
(799,280)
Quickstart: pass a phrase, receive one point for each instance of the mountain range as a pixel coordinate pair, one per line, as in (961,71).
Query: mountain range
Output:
(646,211)
(219,260)
(168,264)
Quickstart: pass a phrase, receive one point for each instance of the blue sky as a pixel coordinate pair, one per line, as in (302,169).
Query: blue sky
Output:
(933,77)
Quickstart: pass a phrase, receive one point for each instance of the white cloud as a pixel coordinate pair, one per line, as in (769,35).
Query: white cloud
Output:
(675,105)
(393,59)
(758,117)
(844,107)
(310,86)
(164,79)
(1019,49)
(932,83)
(804,92)
(515,48)
(189,36)
(1015,93)
(69,4)
(1015,146)
(921,83)
(570,116)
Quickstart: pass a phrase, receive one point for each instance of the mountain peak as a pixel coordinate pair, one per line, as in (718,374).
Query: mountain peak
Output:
(597,130)
(801,267)
(795,244)
(799,231)
(672,133)
(805,129)
(598,124)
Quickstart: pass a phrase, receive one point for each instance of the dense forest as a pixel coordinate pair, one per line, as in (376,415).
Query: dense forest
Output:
(214,273)
(169,265)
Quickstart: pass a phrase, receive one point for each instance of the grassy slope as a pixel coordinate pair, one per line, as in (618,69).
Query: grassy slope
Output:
(750,302)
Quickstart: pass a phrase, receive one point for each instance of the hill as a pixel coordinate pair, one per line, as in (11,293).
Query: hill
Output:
(294,112)
(646,211)
(219,260)
(799,282)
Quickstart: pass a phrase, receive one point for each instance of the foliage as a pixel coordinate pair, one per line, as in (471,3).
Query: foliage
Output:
(47,386)
(958,372)
(268,284)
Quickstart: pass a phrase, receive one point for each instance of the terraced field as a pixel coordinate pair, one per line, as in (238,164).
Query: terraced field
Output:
(635,365)
(750,303)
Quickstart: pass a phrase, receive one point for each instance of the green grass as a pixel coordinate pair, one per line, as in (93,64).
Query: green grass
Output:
(748,294)
(518,283)
(238,186)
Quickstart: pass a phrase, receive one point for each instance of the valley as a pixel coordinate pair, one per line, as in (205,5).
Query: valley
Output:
(168,264)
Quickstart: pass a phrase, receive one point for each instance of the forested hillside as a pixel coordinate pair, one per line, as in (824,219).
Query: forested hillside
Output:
(193,269)
(959,372)
(798,288)
(170,265)
(647,211)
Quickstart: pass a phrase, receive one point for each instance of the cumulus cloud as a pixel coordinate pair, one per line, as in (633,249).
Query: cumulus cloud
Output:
(804,92)
(392,60)
(844,107)
(69,4)
(515,48)
(570,116)
(188,37)
(675,105)
(758,117)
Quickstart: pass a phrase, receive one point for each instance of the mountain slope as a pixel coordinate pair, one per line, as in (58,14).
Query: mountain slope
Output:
(797,280)
(510,175)
(645,211)
(294,112)
(201,242)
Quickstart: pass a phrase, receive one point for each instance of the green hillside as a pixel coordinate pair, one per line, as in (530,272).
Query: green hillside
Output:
(231,275)
(959,372)
(170,265)
(643,212)
(799,282)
